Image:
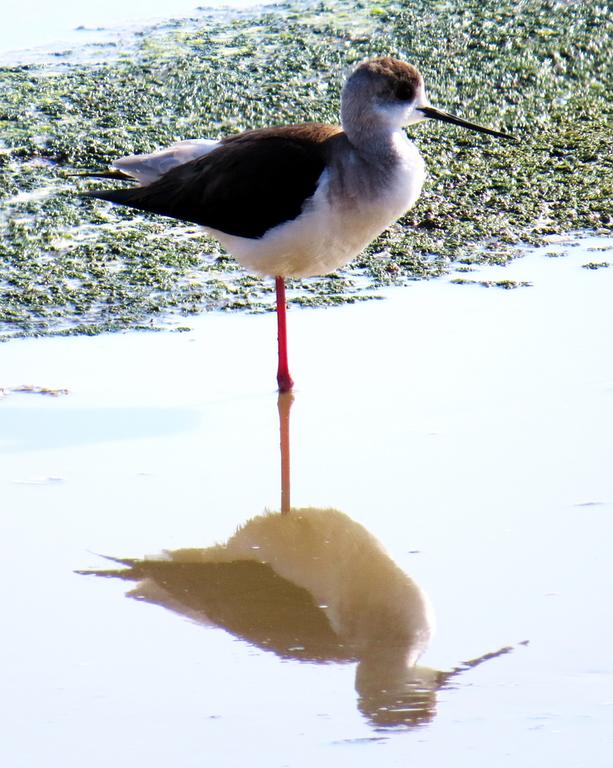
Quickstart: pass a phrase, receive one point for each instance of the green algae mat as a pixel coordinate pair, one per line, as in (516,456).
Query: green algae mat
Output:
(539,69)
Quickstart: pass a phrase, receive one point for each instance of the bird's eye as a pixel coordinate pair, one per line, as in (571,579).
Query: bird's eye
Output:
(405,91)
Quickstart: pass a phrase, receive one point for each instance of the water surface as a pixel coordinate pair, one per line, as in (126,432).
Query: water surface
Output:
(41,25)
(467,430)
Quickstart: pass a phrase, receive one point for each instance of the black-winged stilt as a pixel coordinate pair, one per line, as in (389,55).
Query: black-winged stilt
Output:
(297,200)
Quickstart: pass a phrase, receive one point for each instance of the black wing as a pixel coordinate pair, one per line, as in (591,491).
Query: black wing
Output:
(249,184)
(244,597)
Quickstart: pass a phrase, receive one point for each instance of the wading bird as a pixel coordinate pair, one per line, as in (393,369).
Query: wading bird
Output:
(297,200)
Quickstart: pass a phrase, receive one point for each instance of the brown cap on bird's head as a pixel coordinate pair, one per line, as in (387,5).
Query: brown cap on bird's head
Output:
(391,78)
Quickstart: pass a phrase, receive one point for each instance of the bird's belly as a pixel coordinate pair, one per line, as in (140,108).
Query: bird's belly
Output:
(328,233)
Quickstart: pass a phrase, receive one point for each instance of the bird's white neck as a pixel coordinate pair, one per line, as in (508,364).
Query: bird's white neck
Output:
(372,132)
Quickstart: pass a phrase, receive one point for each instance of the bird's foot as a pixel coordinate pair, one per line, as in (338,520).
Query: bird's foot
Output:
(285,381)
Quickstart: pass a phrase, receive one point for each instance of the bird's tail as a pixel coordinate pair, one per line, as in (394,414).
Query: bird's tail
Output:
(121,196)
(128,571)
(110,173)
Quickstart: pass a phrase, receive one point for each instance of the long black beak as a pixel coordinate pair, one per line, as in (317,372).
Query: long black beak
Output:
(438,114)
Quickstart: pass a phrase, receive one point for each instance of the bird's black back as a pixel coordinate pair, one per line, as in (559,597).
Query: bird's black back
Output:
(249,184)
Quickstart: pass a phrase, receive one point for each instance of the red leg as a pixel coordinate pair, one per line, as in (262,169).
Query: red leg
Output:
(284,379)
(284,404)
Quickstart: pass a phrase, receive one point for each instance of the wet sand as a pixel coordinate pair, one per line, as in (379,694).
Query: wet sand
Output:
(468,430)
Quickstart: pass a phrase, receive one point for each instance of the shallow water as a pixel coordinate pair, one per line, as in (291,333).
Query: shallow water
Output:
(466,429)
(49,26)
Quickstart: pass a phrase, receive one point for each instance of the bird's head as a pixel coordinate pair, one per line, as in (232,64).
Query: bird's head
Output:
(391,94)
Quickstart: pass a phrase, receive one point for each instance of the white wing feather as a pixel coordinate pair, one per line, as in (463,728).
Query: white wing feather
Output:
(148,168)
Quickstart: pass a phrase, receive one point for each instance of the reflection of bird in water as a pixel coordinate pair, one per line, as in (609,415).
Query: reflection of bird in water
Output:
(312,585)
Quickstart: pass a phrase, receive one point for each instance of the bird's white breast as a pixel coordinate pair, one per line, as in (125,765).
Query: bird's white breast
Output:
(351,206)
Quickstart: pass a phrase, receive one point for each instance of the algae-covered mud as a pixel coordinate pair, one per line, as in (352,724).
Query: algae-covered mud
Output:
(541,70)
